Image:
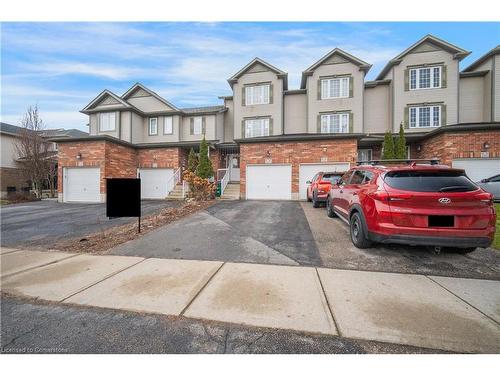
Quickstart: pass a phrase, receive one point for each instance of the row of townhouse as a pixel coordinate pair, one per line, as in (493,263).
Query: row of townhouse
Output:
(271,139)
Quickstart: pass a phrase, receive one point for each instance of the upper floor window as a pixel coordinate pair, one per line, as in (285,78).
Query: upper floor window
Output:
(107,121)
(258,127)
(335,88)
(335,123)
(364,154)
(257,94)
(425,78)
(153,126)
(198,126)
(425,116)
(168,127)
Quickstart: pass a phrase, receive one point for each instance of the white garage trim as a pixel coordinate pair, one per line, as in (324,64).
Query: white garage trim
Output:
(82,184)
(478,168)
(269,181)
(308,170)
(156,183)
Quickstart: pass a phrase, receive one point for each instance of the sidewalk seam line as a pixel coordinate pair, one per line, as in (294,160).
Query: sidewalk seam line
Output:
(463,300)
(39,266)
(201,290)
(328,304)
(100,281)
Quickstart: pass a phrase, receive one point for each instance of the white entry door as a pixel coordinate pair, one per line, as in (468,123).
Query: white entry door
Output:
(234,161)
(82,185)
(156,183)
(269,182)
(477,169)
(308,171)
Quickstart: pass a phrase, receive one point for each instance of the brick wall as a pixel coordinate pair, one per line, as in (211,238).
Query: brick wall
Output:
(295,153)
(160,157)
(449,146)
(12,177)
(121,161)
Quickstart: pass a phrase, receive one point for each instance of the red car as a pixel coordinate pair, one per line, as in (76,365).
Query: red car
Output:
(319,186)
(416,204)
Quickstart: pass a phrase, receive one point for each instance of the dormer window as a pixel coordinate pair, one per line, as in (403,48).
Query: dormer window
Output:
(425,78)
(335,88)
(107,121)
(257,94)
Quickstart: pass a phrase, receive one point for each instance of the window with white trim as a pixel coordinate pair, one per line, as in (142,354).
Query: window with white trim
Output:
(107,121)
(198,125)
(364,154)
(258,127)
(168,125)
(257,94)
(153,126)
(425,116)
(335,88)
(425,78)
(335,123)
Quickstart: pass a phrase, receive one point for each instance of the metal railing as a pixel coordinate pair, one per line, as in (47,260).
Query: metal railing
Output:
(174,180)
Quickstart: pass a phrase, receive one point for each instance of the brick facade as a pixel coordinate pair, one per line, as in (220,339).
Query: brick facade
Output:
(160,157)
(449,146)
(12,177)
(295,153)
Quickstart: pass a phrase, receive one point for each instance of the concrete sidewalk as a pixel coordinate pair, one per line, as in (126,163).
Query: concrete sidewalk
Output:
(454,314)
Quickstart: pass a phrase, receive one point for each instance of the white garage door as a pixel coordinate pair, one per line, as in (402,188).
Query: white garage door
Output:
(156,183)
(82,185)
(269,182)
(477,169)
(308,171)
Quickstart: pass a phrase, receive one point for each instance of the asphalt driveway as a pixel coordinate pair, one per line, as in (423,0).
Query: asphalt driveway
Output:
(295,233)
(46,222)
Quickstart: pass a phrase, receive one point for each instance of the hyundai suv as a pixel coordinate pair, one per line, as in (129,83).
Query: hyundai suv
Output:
(416,204)
(319,186)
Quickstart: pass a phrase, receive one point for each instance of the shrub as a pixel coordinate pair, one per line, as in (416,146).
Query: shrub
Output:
(400,146)
(204,168)
(199,188)
(192,161)
(388,146)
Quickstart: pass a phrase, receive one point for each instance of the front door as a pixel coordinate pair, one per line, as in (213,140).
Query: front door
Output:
(234,166)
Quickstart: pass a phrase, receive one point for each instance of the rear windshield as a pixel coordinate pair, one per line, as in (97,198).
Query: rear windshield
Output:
(333,178)
(428,181)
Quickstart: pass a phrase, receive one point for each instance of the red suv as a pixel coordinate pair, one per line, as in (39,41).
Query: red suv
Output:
(319,186)
(417,204)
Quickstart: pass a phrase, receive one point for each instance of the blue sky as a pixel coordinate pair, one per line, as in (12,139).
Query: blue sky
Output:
(63,66)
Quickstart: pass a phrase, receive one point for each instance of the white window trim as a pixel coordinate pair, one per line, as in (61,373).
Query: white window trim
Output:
(262,98)
(328,82)
(156,126)
(111,122)
(165,125)
(417,83)
(263,122)
(198,121)
(328,117)
(431,117)
(366,149)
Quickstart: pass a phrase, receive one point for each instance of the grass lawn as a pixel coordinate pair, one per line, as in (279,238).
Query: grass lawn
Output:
(496,241)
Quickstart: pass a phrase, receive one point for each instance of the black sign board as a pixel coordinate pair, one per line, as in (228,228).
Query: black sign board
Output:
(123,197)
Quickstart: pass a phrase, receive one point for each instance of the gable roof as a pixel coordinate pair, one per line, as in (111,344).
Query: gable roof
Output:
(482,59)
(88,108)
(459,53)
(138,85)
(281,74)
(207,109)
(46,133)
(10,129)
(363,65)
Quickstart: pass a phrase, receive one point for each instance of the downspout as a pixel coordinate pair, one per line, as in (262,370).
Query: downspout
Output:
(493,88)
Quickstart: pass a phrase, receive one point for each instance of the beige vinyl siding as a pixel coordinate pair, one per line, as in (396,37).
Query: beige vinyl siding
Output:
(160,137)
(295,114)
(8,151)
(353,104)
(487,65)
(93,123)
(219,127)
(148,104)
(448,95)
(229,121)
(137,128)
(471,99)
(209,125)
(377,109)
(274,109)
(497,88)
(125,117)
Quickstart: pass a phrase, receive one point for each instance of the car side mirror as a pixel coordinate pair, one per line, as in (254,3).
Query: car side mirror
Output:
(484,180)
(308,182)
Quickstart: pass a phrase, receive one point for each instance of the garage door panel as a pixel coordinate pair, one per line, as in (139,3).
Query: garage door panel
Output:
(308,171)
(82,185)
(477,169)
(156,183)
(269,182)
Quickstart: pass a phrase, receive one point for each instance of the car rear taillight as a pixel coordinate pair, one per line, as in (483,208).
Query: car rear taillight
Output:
(386,197)
(485,198)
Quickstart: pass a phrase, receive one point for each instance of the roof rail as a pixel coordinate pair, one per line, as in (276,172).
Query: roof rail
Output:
(411,162)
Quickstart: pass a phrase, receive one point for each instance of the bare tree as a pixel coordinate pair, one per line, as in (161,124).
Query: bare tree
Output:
(32,150)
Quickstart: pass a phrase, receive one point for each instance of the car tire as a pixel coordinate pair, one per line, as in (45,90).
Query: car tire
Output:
(329,208)
(357,232)
(315,202)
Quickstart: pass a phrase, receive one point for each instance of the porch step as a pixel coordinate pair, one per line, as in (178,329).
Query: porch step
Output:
(176,194)
(232,192)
